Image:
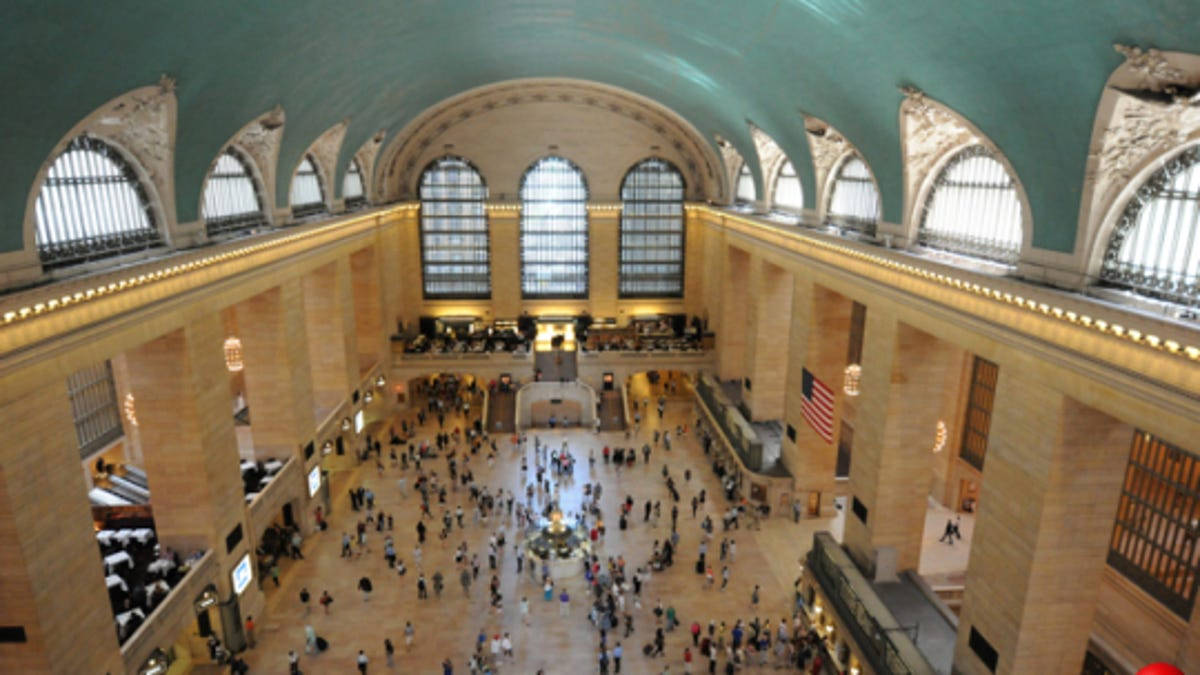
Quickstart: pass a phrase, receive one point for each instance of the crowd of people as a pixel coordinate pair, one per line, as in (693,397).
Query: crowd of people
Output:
(472,523)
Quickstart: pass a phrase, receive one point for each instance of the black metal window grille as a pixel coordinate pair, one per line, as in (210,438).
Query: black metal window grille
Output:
(1155,248)
(745,193)
(854,200)
(1158,523)
(973,209)
(94,407)
(554,230)
(307,194)
(353,195)
(978,417)
(455,257)
(92,206)
(232,202)
(652,231)
(788,195)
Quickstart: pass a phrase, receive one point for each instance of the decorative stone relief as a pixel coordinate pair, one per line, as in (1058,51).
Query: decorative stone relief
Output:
(260,140)
(929,131)
(1150,66)
(366,155)
(142,122)
(733,163)
(402,156)
(770,158)
(1136,130)
(827,147)
(325,150)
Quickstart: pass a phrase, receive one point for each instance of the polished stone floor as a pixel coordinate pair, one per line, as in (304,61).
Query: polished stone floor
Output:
(447,627)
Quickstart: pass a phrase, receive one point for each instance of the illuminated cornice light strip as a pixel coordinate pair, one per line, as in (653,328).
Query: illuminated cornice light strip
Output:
(592,207)
(104,290)
(1150,341)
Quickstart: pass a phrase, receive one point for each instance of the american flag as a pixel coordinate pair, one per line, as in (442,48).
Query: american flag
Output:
(818,406)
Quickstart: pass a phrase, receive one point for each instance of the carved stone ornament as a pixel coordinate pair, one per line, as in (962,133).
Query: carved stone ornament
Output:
(929,132)
(733,162)
(325,150)
(366,156)
(770,158)
(1136,130)
(827,147)
(261,142)
(1150,66)
(141,122)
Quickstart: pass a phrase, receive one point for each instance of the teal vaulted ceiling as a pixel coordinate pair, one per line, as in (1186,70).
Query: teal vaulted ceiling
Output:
(1028,73)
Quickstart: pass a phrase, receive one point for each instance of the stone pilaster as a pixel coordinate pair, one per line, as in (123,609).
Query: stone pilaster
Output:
(367,299)
(604,233)
(51,574)
(1051,482)
(278,384)
(328,355)
(733,314)
(505,245)
(767,346)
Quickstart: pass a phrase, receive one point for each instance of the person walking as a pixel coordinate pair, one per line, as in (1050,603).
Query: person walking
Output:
(364,585)
(293,662)
(304,598)
(390,651)
(564,603)
(310,640)
(409,634)
(249,631)
(754,598)
(362,662)
(724,577)
(617,652)
(326,600)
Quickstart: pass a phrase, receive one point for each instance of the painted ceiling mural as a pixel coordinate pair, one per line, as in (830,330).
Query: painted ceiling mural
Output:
(1028,74)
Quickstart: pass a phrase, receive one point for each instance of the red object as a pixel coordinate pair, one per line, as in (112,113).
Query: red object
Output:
(1160,669)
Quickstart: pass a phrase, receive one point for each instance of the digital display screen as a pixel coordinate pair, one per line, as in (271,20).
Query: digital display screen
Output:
(314,480)
(242,574)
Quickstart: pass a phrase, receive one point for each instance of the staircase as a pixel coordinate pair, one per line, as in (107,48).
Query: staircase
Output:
(556,365)
(612,413)
(502,412)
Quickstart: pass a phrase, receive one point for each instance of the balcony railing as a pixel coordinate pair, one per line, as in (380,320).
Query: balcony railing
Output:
(876,632)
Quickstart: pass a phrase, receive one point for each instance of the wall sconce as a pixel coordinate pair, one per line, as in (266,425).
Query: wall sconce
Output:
(380,381)
(939,437)
(345,424)
(130,409)
(327,447)
(851,377)
(233,354)
(368,397)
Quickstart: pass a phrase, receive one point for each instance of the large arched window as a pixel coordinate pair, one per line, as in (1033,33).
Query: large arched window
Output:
(854,200)
(1155,248)
(788,194)
(554,230)
(231,199)
(973,208)
(745,193)
(307,194)
(454,231)
(92,205)
(353,195)
(652,231)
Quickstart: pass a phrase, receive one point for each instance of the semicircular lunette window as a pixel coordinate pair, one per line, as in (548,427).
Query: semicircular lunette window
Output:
(307,194)
(652,231)
(788,194)
(455,259)
(353,195)
(973,209)
(92,206)
(854,201)
(231,198)
(554,230)
(1155,248)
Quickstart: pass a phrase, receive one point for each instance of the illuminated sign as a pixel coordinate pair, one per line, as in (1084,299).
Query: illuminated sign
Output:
(241,575)
(314,480)
(358,422)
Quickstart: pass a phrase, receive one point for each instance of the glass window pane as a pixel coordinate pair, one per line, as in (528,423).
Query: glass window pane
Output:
(974,209)
(353,194)
(455,255)
(652,231)
(854,200)
(307,193)
(554,230)
(231,197)
(745,185)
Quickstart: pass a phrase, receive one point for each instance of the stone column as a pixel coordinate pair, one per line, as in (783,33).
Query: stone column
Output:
(891,466)
(1051,481)
(392,267)
(505,248)
(694,263)
(767,347)
(367,302)
(278,383)
(188,441)
(329,348)
(604,233)
(733,315)
(51,574)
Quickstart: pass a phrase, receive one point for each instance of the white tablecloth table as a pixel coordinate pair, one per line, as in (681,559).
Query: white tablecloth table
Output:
(114,581)
(123,537)
(105,537)
(117,559)
(161,566)
(124,618)
(273,466)
(143,535)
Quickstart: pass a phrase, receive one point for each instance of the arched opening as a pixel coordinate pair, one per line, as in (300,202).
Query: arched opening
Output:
(455,258)
(554,230)
(232,200)
(652,231)
(973,208)
(854,199)
(307,193)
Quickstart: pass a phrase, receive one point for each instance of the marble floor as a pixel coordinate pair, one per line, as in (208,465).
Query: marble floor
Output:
(447,627)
